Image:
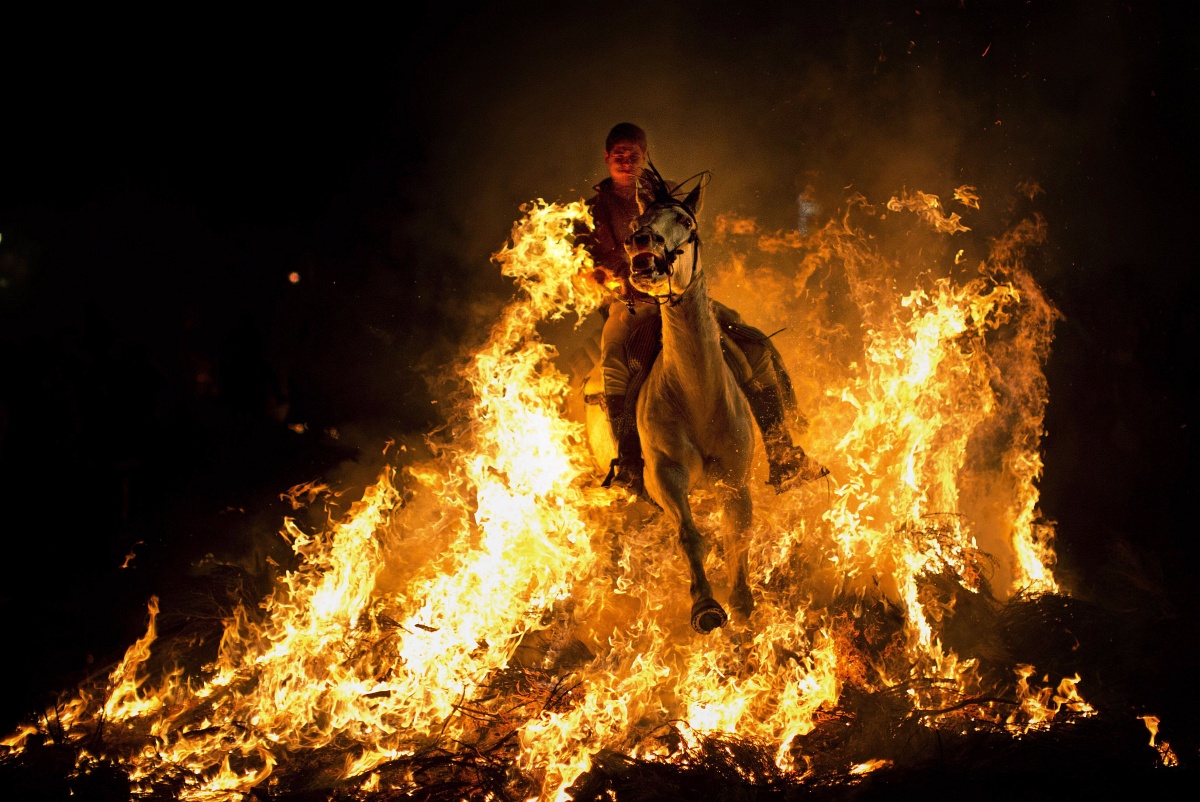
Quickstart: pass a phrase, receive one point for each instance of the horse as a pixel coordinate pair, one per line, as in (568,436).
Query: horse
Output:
(693,419)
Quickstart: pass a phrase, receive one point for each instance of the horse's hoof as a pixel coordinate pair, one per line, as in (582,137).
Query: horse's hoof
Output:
(742,602)
(707,615)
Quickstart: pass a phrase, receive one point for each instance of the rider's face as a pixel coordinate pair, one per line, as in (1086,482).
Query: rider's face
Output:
(625,162)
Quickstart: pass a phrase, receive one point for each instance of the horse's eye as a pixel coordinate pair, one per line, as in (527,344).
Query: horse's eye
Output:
(687,222)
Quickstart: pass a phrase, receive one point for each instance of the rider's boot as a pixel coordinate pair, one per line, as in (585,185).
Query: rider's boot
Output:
(626,469)
(789,465)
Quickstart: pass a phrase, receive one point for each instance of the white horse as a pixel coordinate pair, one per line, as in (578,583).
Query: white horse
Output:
(692,417)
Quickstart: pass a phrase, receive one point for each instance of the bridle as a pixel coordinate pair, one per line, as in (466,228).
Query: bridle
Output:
(669,257)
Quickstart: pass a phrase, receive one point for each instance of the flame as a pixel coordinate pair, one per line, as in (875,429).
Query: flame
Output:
(1151,723)
(1038,707)
(493,598)
(129,558)
(1166,755)
(870,766)
(929,208)
(125,699)
(967,196)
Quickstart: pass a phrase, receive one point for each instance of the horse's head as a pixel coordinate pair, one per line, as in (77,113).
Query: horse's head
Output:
(664,251)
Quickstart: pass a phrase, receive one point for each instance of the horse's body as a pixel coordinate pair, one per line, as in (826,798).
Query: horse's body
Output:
(692,417)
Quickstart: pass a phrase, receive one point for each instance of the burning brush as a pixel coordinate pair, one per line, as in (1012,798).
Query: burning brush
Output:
(492,624)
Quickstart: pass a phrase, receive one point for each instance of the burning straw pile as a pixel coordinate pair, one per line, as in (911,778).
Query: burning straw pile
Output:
(488,623)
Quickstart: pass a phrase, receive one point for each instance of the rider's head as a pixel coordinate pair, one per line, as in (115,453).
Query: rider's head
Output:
(625,153)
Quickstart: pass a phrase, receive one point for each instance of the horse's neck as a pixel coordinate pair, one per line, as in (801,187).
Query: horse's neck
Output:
(691,353)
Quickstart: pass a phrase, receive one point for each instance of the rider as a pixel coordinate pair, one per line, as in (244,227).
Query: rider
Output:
(615,209)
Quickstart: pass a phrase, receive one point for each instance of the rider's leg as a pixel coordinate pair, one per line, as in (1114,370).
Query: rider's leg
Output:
(626,469)
(789,465)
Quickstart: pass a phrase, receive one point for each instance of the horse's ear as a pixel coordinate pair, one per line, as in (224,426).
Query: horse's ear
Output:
(693,199)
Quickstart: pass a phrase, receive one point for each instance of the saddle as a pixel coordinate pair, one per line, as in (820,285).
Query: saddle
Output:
(645,344)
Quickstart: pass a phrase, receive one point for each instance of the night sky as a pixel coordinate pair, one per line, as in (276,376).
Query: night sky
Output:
(162,177)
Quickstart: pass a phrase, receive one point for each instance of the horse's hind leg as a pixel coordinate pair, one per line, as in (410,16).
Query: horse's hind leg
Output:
(738,514)
(671,479)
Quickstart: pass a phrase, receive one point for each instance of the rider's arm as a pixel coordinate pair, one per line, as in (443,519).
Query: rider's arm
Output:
(607,255)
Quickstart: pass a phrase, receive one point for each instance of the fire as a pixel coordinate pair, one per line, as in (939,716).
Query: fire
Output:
(1151,723)
(494,601)
(870,766)
(1039,706)
(1166,755)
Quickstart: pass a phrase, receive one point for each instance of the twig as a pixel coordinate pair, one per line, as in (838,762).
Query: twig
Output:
(965,703)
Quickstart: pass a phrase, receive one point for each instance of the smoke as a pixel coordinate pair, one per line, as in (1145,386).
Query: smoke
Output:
(791,104)
(766,97)
(791,108)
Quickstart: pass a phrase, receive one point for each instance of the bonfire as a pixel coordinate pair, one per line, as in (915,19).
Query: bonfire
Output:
(487,622)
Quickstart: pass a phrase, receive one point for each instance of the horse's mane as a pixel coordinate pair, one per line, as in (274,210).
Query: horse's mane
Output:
(662,191)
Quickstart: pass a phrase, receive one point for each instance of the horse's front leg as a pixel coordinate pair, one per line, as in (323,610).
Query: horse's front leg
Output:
(738,516)
(668,483)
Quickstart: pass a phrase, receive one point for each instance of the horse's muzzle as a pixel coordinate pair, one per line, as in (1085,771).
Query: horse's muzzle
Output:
(643,239)
(645,263)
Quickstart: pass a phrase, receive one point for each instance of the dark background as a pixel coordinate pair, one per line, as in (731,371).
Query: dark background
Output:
(160,178)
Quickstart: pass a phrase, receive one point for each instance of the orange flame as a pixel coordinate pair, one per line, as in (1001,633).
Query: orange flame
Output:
(1166,755)
(500,560)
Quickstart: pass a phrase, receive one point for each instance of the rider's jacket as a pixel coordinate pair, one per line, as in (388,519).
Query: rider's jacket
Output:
(613,218)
